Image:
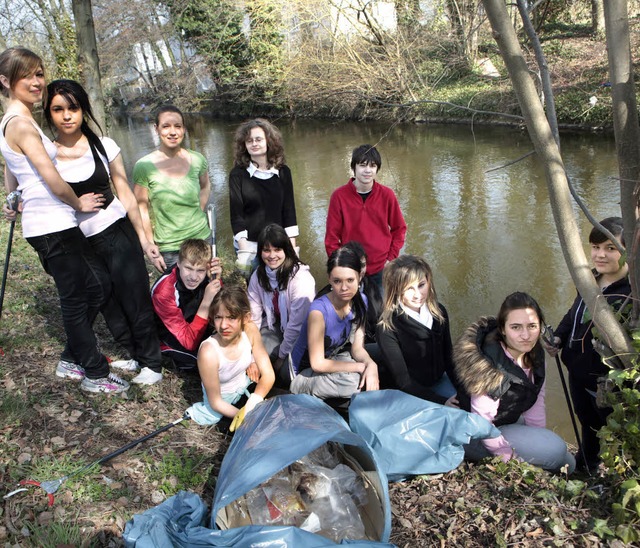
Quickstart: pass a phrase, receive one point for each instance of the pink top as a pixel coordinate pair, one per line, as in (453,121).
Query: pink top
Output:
(487,407)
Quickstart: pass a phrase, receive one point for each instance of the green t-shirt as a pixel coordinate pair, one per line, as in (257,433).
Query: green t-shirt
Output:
(174,202)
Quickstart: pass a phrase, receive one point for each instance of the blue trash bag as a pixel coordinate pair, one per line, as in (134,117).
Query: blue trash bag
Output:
(178,522)
(412,436)
(281,431)
(275,434)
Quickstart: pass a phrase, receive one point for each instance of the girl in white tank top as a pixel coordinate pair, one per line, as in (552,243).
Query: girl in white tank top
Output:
(49,223)
(231,360)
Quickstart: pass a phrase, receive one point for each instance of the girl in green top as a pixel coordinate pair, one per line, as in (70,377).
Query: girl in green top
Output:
(172,188)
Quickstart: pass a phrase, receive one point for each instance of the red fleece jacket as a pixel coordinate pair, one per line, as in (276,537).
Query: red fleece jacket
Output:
(377,223)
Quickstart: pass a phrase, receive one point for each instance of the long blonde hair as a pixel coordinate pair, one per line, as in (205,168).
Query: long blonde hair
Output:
(396,277)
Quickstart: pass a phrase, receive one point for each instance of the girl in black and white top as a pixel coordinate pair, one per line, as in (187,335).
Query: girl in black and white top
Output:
(115,232)
(260,189)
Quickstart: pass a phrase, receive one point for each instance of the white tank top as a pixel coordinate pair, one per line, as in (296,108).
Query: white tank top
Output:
(232,372)
(42,212)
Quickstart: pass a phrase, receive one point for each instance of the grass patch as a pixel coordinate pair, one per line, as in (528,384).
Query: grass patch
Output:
(16,409)
(55,534)
(179,471)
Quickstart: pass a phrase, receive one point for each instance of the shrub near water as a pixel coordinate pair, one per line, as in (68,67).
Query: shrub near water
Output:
(620,448)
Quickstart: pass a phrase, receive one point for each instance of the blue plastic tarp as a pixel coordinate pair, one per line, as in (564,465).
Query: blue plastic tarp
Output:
(411,436)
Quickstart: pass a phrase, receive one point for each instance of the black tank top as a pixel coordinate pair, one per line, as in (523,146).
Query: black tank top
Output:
(98,182)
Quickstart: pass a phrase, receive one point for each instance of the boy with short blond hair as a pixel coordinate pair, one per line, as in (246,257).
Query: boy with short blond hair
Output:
(181,300)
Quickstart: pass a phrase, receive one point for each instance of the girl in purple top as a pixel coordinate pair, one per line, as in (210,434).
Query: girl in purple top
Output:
(329,359)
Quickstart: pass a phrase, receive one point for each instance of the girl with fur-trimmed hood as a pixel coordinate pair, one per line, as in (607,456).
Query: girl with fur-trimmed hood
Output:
(500,365)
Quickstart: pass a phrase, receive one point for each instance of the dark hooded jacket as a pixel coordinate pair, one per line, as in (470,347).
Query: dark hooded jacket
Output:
(576,338)
(482,367)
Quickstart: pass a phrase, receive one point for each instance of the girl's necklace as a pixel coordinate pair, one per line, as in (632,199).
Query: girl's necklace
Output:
(342,311)
(71,153)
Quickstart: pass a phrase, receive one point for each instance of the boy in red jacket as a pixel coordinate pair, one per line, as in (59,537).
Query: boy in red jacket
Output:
(367,212)
(181,300)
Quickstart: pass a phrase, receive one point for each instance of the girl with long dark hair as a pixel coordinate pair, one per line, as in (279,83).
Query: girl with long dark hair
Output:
(89,163)
(500,365)
(280,292)
(329,359)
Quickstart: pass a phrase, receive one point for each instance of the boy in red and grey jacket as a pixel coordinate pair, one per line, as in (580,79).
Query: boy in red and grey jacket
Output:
(181,300)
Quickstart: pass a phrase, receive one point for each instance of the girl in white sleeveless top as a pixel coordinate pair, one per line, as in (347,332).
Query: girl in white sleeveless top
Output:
(49,222)
(231,360)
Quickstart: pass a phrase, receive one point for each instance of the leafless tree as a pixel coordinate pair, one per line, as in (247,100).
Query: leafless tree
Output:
(548,153)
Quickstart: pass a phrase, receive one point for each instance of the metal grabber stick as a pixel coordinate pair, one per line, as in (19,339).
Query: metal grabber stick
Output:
(211,217)
(548,336)
(51,486)
(13,199)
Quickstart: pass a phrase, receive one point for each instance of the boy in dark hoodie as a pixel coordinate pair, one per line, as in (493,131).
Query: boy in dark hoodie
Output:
(574,339)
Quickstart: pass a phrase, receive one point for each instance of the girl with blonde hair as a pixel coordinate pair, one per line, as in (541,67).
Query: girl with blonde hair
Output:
(413,333)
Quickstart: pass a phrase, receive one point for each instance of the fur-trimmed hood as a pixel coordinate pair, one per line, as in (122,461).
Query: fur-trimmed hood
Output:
(472,358)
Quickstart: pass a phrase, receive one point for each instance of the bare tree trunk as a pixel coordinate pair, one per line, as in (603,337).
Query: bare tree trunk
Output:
(627,132)
(88,57)
(547,150)
(597,17)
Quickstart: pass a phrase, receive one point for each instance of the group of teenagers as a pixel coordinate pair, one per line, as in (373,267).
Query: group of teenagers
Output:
(377,324)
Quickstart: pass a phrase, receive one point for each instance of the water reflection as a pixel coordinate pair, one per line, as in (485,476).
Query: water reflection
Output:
(485,233)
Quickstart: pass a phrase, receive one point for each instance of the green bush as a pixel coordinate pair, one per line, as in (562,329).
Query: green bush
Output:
(620,448)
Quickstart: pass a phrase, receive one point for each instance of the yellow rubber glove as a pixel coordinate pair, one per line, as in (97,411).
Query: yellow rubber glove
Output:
(237,421)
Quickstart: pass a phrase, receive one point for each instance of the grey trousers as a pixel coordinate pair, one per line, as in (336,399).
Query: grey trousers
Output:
(538,446)
(327,385)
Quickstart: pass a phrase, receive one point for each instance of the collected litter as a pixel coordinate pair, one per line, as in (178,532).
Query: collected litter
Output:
(324,492)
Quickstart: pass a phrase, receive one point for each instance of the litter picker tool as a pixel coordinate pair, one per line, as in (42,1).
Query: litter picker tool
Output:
(51,486)
(548,337)
(13,199)
(211,217)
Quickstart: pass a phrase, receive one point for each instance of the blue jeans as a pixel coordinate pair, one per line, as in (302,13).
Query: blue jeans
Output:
(83,287)
(538,446)
(129,311)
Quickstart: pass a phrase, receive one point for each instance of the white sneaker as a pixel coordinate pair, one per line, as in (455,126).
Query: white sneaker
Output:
(69,370)
(147,376)
(112,384)
(125,365)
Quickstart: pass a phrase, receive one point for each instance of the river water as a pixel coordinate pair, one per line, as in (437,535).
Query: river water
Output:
(486,230)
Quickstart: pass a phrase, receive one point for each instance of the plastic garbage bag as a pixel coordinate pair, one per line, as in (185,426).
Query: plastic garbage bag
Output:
(274,435)
(177,522)
(281,431)
(316,493)
(412,436)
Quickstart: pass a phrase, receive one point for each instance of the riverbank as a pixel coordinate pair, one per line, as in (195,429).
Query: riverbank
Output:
(577,62)
(50,428)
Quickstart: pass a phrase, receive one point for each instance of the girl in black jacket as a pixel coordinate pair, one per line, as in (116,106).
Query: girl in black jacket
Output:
(413,333)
